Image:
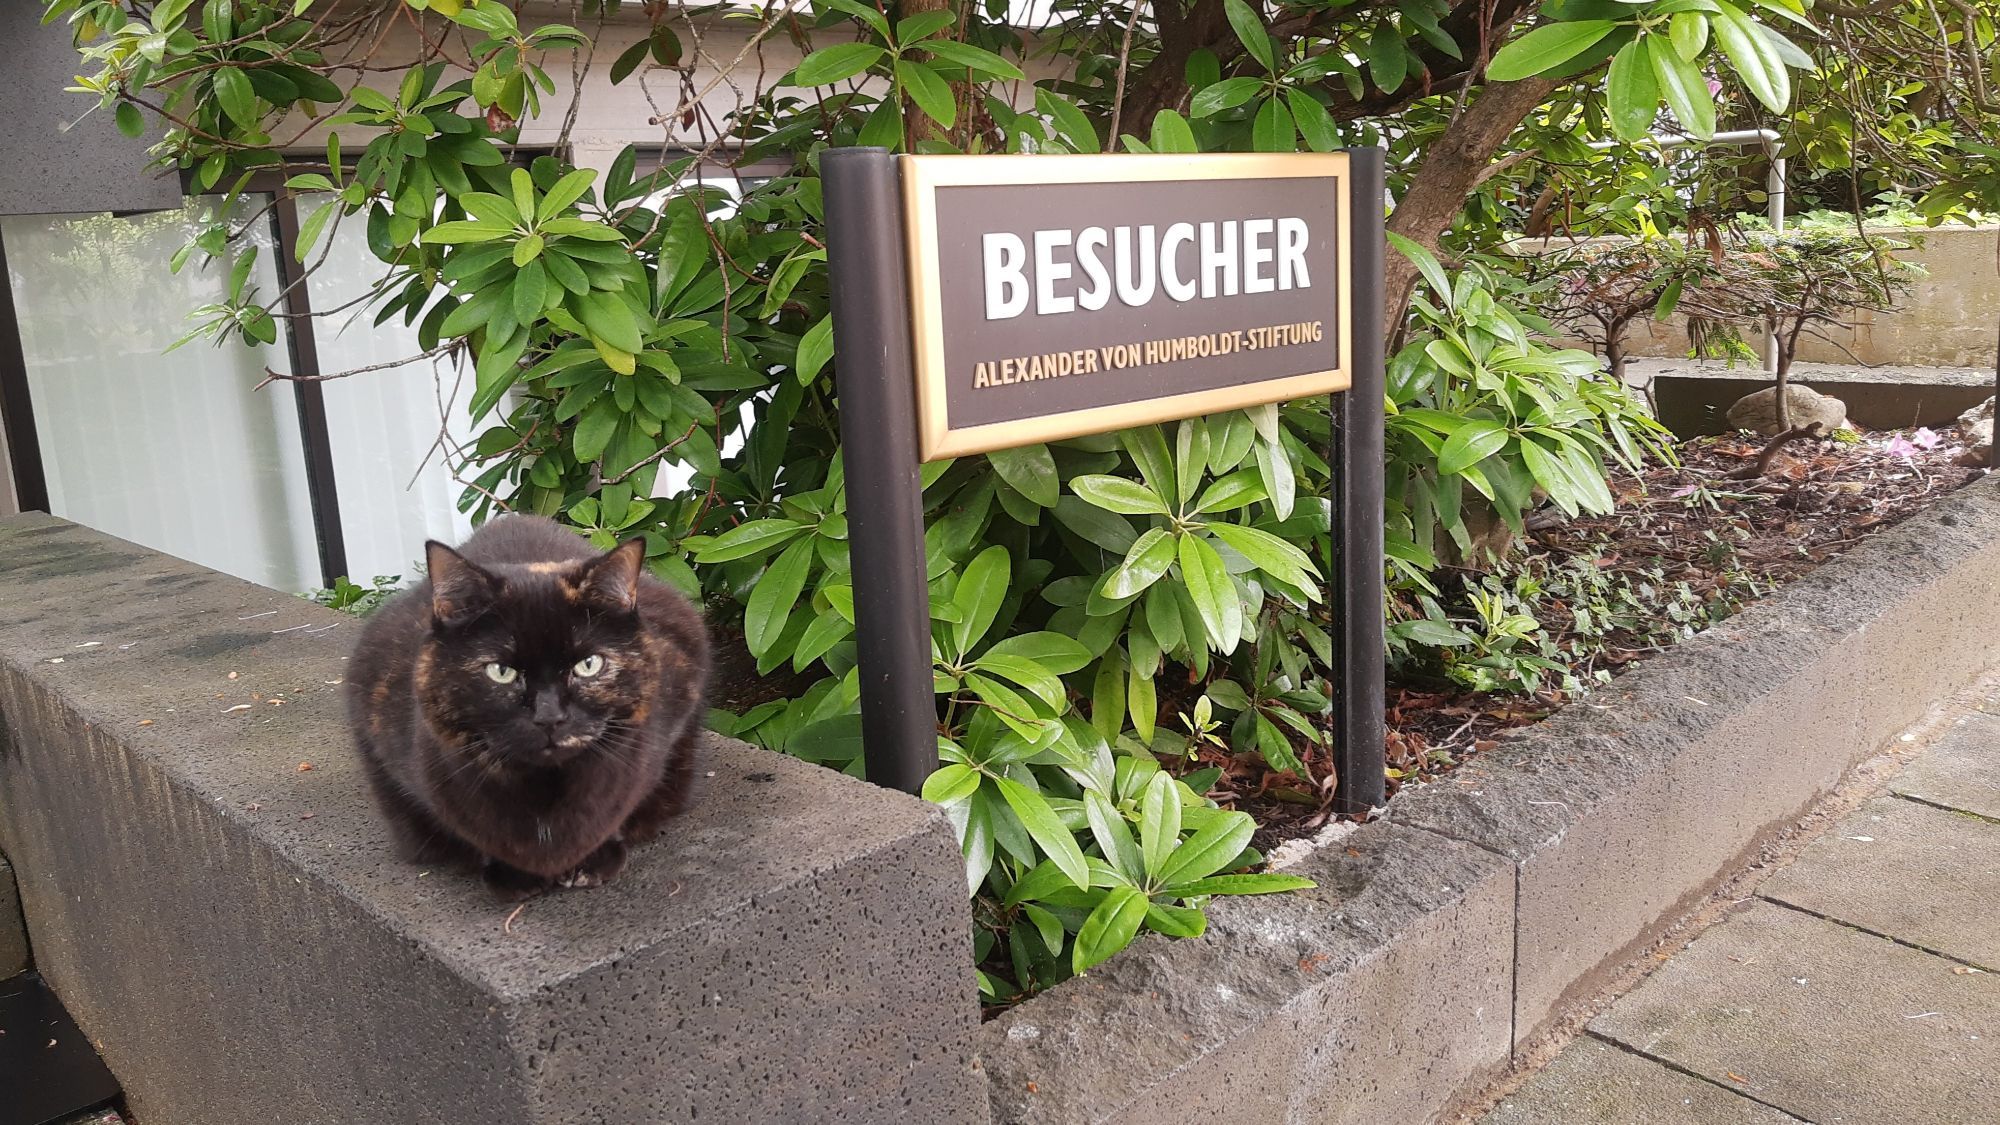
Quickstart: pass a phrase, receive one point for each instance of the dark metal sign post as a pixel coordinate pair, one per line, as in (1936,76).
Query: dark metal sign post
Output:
(982,303)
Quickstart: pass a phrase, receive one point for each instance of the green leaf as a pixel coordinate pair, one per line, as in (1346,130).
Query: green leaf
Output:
(1159,821)
(1388,62)
(974,58)
(1474,442)
(980,591)
(952,782)
(1314,122)
(1047,830)
(1113,835)
(1151,554)
(1114,923)
(1272,555)
(922,26)
(1224,95)
(1689,33)
(1047,927)
(1045,684)
(239,101)
(1213,593)
(1069,120)
(1686,92)
(931,93)
(1262,884)
(1239,489)
(815,349)
(1632,91)
(1171,133)
(1142,702)
(309,231)
(1031,470)
(1053,651)
(1271,130)
(457,232)
(1426,263)
(1117,494)
(530,288)
(1249,28)
(1437,634)
(593,430)
(566,191)
(1545,48)
(1218,843)
(1756,60)
(771,600)
(749,539)
(628,61)
(1176,921)
(609,320)
(131,122)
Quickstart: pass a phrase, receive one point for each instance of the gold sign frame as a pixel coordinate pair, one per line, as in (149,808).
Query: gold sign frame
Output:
(922,176)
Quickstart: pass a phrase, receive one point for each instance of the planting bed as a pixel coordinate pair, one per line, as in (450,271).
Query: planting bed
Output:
(1687,546)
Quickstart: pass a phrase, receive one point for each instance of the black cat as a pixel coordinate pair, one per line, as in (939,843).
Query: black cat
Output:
(531,707)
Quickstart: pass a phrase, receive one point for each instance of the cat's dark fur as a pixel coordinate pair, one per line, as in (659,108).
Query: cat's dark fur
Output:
(543,779)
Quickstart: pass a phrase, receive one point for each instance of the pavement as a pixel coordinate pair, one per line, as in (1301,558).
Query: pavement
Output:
(1859,985)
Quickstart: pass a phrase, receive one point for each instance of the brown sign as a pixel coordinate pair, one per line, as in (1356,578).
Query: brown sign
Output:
(1055,296)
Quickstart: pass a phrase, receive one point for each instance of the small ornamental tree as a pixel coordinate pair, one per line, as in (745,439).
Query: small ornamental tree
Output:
(1089,593)
(1799,284)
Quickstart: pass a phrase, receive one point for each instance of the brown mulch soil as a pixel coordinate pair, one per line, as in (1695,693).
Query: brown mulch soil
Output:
(1817,499)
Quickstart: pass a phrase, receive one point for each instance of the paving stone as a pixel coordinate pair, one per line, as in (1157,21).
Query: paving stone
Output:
(1594,1083)
(1923,875)
(1831,1024)
(1962,770)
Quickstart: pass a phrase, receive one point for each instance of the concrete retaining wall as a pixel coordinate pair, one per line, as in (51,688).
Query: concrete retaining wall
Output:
(1445,937)
(233,930)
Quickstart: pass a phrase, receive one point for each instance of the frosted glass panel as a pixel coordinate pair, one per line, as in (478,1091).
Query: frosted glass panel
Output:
(173,451)
(393,476)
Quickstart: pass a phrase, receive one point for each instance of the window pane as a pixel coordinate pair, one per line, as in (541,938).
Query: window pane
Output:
(391,472)
(173,451)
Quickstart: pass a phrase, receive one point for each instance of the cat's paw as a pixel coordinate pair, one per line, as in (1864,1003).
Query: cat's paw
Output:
(602,866)
(511,884)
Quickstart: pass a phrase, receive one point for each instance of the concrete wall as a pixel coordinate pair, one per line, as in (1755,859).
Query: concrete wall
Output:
(1949,318)
(213,897)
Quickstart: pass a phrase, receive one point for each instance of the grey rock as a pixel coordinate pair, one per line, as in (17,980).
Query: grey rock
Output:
(1758,411)
(1976,430)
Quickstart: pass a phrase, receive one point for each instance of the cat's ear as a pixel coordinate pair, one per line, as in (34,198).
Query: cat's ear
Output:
(460,591)
(612,579)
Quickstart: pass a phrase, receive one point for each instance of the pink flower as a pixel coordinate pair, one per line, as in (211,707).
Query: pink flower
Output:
(1714,87)
(1924,438)
(1899,446)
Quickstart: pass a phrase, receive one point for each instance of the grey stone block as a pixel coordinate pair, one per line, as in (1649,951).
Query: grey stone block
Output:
(239,937)
(1595,1083)
(1372,998)
(1918,874)
(1823,1021)
(1623,811)
(13,928)
(1961,770)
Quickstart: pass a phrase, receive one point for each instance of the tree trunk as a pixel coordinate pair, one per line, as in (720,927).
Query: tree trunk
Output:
(1451,169)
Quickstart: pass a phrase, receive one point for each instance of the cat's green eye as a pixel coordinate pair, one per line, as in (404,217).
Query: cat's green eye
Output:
(589,666)
(501,673)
